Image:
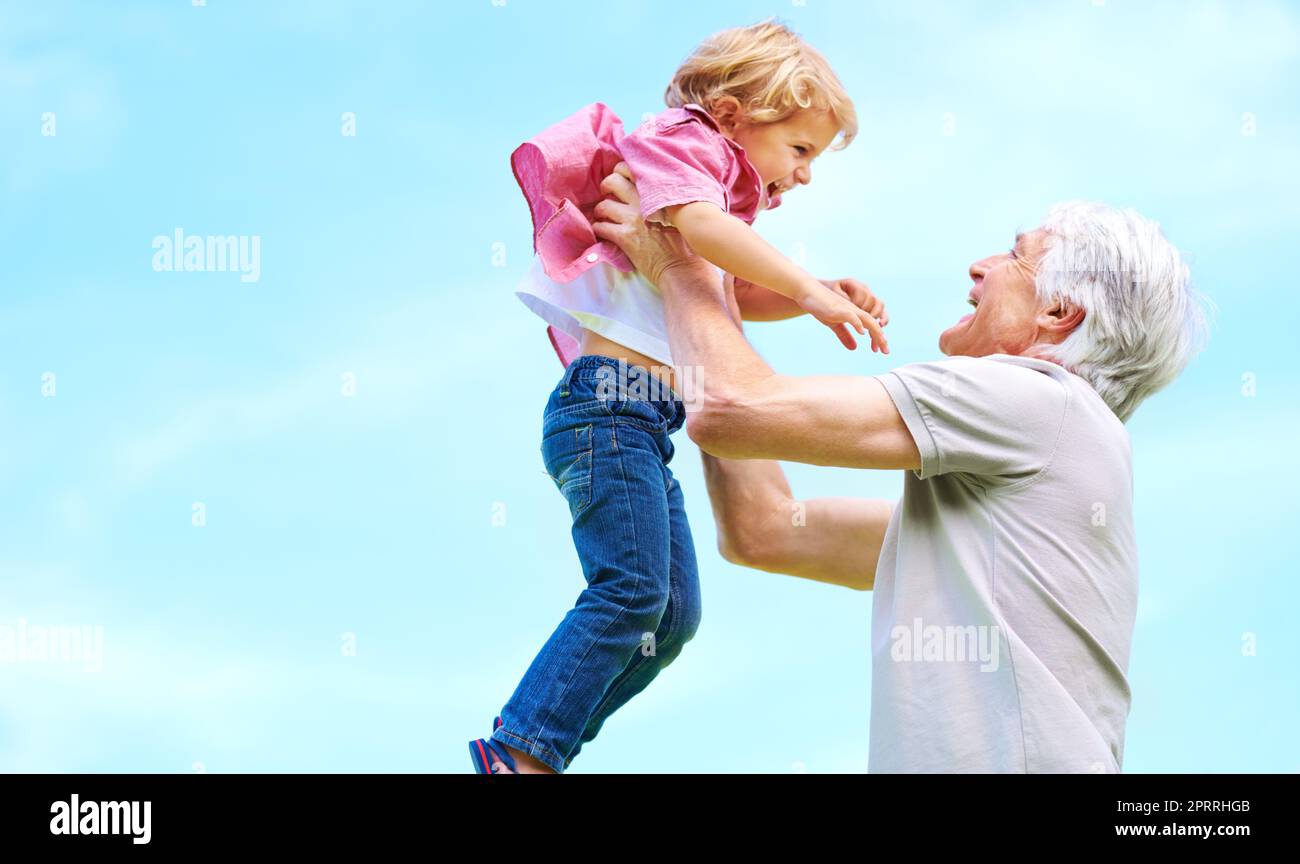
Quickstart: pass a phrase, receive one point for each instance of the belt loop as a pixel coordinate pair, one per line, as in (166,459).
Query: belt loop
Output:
(568,376)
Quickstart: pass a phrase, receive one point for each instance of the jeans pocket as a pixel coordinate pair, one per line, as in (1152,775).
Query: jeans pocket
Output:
(568,457)
(641,413)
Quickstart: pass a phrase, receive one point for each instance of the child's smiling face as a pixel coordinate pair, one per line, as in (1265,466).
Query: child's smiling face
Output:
(783,151)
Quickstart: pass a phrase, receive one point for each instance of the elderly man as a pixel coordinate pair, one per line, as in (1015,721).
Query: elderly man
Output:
(1006,577)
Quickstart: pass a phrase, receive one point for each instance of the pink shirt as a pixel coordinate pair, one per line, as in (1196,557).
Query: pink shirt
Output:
(678,157)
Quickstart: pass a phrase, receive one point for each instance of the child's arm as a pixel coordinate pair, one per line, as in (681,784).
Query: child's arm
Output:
(735,247)
(755,303)
(759,304)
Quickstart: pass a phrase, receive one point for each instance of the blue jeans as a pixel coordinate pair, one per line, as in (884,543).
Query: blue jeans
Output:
(605,444)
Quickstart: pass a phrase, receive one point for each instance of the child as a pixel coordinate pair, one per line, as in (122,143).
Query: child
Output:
(749,111)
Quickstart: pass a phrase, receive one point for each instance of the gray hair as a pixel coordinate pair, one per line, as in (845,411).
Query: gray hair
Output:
(1143,320)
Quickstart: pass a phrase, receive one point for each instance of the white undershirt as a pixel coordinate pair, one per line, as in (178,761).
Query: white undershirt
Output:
(623,307)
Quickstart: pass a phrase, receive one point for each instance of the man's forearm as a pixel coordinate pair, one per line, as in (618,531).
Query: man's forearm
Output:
(739,408)
(761,525)
(701,331)
(748,497)
(759,522)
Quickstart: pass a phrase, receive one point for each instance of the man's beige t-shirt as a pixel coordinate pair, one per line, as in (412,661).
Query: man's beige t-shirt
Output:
(1006,589)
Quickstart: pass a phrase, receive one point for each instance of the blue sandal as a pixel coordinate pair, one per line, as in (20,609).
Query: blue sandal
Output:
(485,752)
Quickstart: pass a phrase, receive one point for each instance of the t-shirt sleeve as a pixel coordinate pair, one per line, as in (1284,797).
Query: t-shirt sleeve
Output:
(994,420)
(676,164)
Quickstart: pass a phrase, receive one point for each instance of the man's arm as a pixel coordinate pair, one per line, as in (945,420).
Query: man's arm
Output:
(744,410)
(761,525)
(849,421)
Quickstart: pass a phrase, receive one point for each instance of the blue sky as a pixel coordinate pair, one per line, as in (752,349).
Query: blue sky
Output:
(372,514)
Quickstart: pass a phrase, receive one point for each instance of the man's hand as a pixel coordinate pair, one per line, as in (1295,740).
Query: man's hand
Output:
(653,250)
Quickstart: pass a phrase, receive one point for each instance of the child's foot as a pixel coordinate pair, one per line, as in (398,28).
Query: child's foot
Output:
(491,757)
(525,764)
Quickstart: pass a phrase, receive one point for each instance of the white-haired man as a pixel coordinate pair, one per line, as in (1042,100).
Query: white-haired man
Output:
(1006,577)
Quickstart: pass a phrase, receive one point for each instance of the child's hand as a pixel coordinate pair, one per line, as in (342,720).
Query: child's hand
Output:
(832,305)
(861,296)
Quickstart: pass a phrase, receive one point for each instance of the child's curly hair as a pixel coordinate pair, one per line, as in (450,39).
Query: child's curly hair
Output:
(769,70)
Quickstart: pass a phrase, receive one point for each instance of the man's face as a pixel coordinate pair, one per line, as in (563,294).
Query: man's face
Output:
(1006,316)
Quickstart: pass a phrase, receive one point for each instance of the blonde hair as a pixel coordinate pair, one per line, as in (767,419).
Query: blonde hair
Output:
(770,71)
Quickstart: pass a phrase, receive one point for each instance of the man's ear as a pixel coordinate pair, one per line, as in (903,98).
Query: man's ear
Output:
(1061,318)
(727,111)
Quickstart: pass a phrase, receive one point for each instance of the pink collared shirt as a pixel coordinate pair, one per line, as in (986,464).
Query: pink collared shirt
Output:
(677,157)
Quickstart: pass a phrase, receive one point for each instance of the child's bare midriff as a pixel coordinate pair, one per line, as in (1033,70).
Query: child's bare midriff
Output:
(594,343)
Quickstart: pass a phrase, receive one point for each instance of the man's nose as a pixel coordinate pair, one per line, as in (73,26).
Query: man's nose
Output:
(980,268)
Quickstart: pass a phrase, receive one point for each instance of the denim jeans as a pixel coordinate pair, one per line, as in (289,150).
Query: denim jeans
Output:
(605,443)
